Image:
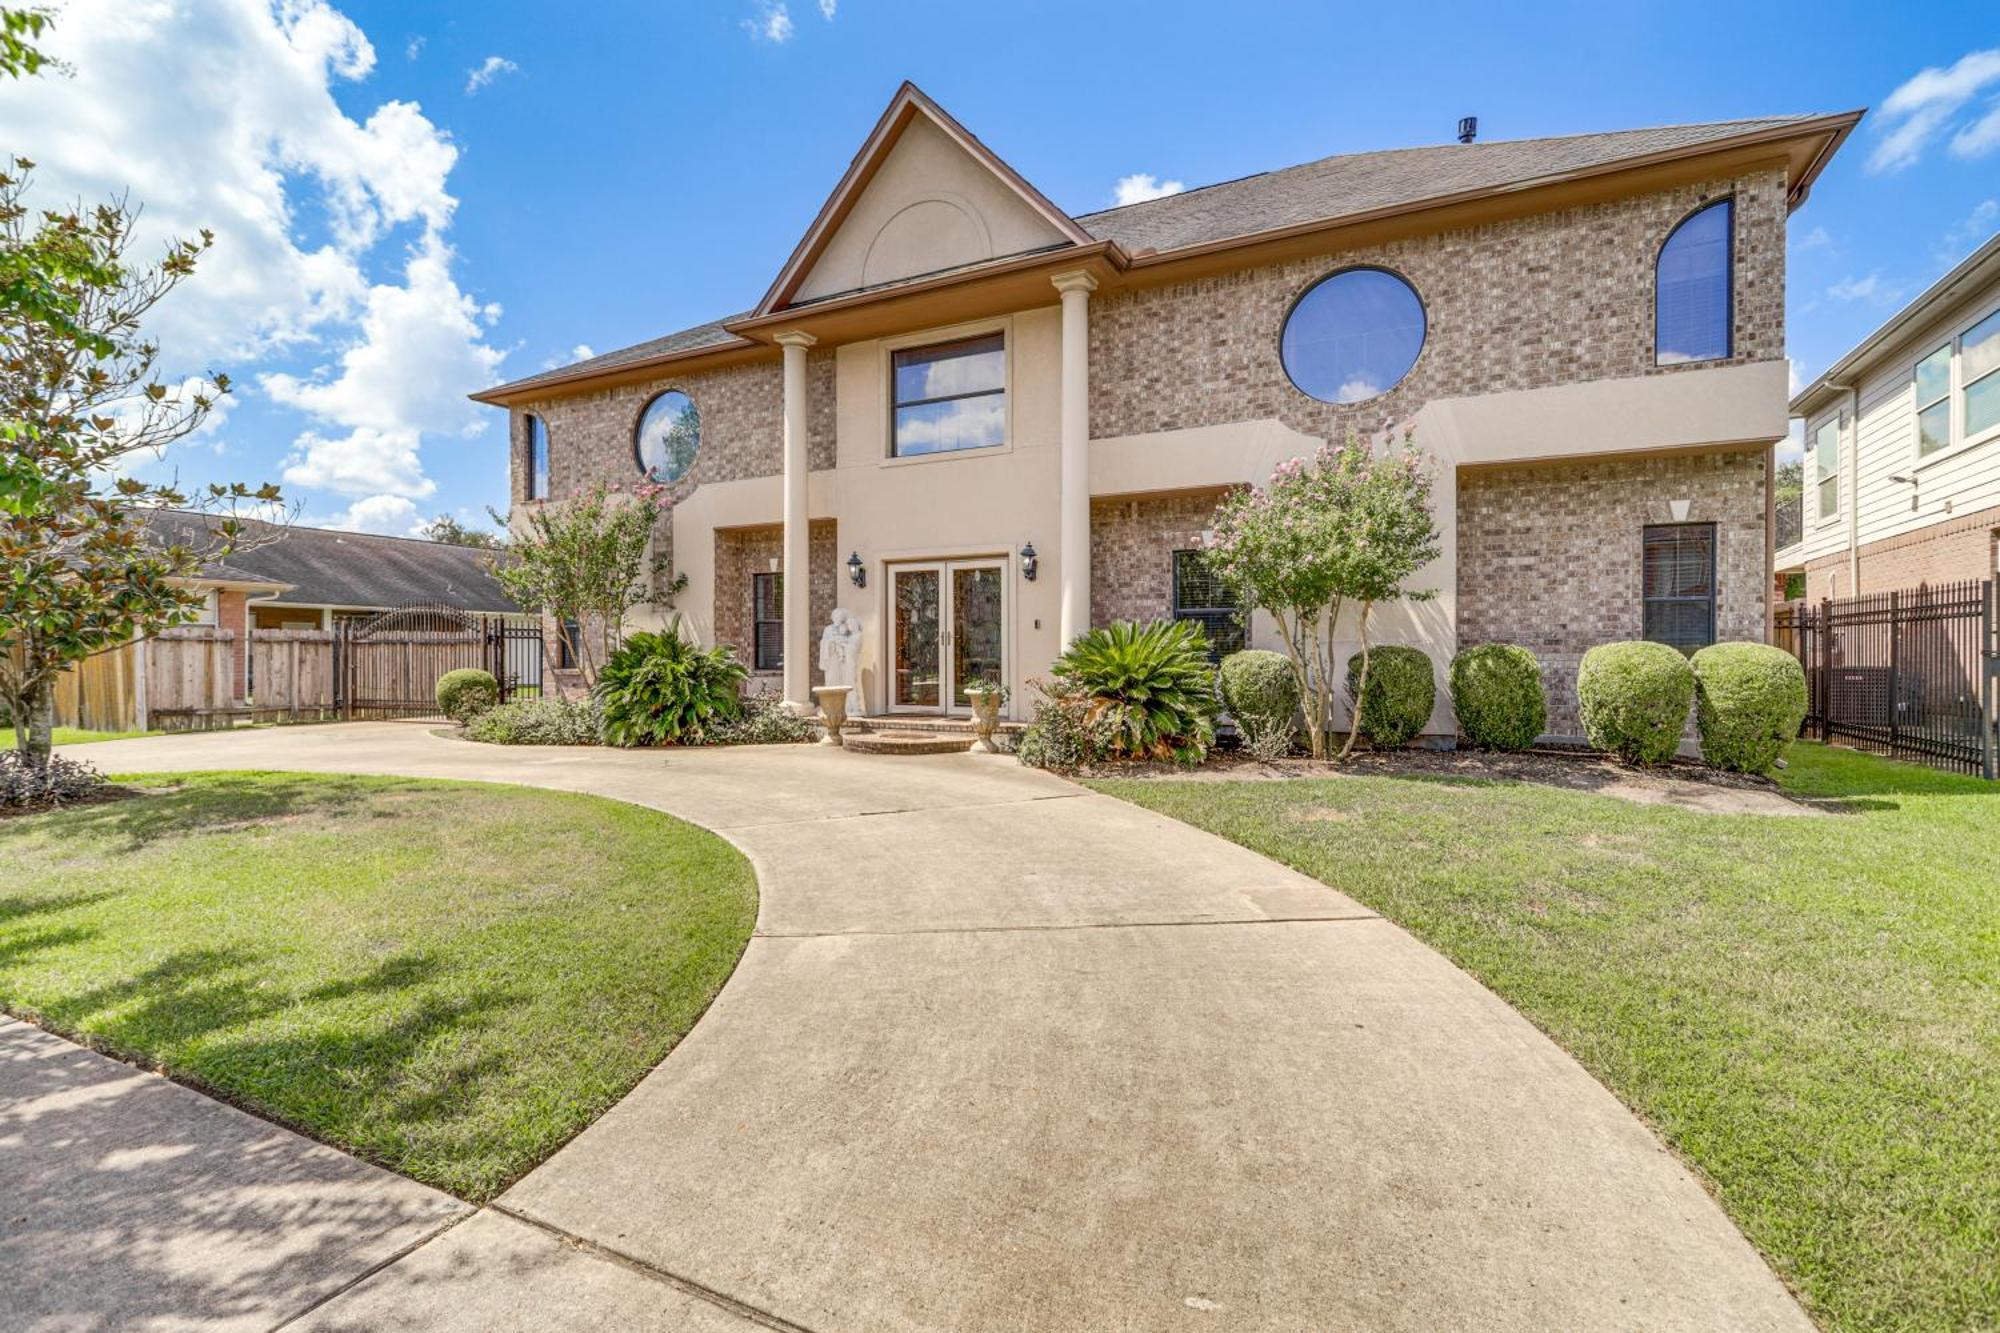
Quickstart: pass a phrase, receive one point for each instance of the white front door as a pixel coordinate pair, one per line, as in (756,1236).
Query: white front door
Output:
(947,630)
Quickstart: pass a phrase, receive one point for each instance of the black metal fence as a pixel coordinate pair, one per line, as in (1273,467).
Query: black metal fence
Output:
(388,665)
(1910,674)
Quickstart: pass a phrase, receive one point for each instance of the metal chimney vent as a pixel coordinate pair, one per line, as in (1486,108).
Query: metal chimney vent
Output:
(1468,129)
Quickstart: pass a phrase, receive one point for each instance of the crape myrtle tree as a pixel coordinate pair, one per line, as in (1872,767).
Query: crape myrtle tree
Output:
(82,400)
(586,561)
(1347,527)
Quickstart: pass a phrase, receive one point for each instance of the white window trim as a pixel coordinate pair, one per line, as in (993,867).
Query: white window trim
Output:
(886,377)
(1960,441)
(1821,519)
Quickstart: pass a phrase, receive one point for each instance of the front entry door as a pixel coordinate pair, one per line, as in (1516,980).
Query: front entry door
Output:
(947,631)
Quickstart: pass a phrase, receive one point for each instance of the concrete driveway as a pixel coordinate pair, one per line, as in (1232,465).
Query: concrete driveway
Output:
(1006,1054)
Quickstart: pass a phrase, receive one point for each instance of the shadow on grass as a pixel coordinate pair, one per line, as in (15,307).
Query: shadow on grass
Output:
(211,805)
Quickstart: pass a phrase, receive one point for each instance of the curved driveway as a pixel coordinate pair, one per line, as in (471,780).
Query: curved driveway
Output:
(1006,1054)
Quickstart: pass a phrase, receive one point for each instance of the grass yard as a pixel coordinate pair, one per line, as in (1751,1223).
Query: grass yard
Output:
(78,736)
(450,979)
(1807,1009)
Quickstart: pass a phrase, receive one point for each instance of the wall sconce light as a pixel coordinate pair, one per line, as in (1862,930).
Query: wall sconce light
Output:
(1029,560)
(857,573)
(1911,482)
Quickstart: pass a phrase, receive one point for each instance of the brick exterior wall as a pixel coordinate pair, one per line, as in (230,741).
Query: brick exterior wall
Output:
(743,552)
(1549,555)
(232,614)
(1131,552)
(1521,304)
(1956,549)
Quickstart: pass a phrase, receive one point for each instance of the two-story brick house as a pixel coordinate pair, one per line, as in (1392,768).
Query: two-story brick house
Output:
(982,425)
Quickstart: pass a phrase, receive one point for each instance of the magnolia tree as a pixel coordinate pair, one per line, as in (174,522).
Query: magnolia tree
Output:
(1345,528)
(81,402)
(585,562)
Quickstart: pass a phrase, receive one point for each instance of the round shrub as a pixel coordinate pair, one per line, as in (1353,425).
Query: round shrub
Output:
(546,721)
(1749,701)
(1496,690)
(1402,690)
(466,693)
(1262,694)
(1634,698)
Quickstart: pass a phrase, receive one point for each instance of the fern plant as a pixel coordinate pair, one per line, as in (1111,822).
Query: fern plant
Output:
(659,689)
(1151,688)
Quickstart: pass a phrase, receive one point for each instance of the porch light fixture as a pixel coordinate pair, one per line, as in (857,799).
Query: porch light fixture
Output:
(857,573)
(1028,562)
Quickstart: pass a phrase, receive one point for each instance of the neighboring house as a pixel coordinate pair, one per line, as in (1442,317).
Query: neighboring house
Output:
(983,425)
(1902,447)
(303,578)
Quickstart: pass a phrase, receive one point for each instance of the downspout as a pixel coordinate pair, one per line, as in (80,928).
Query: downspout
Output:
(1851,484)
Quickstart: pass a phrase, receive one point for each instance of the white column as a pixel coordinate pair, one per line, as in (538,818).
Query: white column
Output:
(1073,550)
(796,564)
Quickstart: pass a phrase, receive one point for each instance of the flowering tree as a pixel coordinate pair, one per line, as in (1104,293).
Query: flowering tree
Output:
(80,400)
(585,562)
(1348,526)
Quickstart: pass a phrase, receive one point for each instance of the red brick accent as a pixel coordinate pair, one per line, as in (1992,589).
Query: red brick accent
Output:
(742,552)
(232,614)
(1958,548)
(1132,542)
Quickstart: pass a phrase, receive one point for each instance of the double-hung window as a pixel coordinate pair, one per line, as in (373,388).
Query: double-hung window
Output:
(1826,466)
(1979,375)
(1200,596)
(1934,402)
(1679,584)
(538,458)
(767,612)
(949,396)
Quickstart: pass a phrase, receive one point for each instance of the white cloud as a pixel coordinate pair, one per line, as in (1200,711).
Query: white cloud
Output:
(1793,446)
(1870,288)
(489,69)
(1924,106)
(1970,232)
(772,24)
(1143,185)
(414,48)
(826,9)
(390,515)
(221,114)
(1816,239)
(1357,390)
(580,352)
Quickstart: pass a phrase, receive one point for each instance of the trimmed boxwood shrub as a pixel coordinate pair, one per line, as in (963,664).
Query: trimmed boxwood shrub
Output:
(1634,697)
(466,693)
(1402,690)
(1496,690)
(1262,694)
(1749,701)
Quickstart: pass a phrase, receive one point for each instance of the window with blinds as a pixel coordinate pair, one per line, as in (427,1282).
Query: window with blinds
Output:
(1679,584)
(767,614)
(1199,595)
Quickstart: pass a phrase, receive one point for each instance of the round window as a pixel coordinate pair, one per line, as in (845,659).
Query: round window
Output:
(669,437)
(1353,335)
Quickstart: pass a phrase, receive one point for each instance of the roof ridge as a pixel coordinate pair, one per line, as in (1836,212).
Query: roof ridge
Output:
(1428,147)
(337,532)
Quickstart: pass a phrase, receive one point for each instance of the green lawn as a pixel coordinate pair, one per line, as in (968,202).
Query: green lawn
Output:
(448,978)
(78,736)
(1807,1009)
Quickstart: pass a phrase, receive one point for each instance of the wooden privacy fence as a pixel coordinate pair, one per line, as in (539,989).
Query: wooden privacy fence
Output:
(178,673)
(1911,674)
(291,675)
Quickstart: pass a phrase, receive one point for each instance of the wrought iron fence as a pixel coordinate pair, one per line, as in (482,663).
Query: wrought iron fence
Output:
(388,665)
(1910,674)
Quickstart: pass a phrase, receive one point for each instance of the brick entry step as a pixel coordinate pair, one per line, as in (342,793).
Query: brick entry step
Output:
(907,742)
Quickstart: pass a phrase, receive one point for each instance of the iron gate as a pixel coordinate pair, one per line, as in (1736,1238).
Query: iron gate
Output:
(1912,674)
(387,665)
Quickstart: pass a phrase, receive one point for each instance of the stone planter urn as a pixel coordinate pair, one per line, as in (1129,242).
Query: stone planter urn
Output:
(985,716)
(832,710)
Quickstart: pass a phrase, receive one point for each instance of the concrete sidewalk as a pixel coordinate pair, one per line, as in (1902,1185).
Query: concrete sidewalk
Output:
(1008,1054)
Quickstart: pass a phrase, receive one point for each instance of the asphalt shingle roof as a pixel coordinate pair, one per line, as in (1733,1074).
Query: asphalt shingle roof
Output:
(1321,191)
(329,568)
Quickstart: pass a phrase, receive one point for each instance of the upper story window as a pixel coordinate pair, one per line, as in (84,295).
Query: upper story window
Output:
(1934,401)
(1979,375)
(1353,336)
(1826,465)
(1679,584)
(949,396)
(538,458)
(668,437)
(1693,289)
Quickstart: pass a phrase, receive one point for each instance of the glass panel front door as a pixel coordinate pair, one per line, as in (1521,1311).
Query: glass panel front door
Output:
(948,631)
(918,647)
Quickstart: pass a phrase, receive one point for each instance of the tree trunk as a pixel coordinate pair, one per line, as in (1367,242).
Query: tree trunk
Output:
(34,741)
(1360,687)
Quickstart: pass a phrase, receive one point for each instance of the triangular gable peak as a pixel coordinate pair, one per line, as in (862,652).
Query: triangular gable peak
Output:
(922,196)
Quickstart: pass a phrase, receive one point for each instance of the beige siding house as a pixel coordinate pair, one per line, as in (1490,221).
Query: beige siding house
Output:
(982,425)
(1902,462)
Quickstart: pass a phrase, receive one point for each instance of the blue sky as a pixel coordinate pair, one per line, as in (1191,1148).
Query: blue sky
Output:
(414,199)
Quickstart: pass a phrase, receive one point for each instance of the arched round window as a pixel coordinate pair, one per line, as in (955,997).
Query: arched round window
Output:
(669,437)
(1353,335)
